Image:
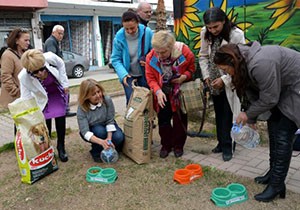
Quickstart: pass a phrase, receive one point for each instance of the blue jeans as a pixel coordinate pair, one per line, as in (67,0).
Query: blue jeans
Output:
(100,132)
(140,81)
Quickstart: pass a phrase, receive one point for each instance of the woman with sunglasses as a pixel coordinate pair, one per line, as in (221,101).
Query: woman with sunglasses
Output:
(18,42)
(44,77)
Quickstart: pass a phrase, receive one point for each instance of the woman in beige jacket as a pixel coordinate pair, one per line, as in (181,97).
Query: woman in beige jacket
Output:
(17,42)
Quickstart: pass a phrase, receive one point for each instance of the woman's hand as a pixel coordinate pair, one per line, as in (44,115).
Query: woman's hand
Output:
(105,144)
(161,98)
(242,118)
(125,80)
(180,79)
(217,83)
(66,90)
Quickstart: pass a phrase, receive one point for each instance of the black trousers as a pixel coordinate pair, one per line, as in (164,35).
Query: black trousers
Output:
(223,115)
(60,125)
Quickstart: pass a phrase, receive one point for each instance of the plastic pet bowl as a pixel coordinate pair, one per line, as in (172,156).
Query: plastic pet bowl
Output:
(100,175)
(196,171)
(182,176)
(188,174)
(232,194)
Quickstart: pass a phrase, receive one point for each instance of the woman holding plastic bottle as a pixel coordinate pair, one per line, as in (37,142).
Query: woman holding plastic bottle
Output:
(267,78)
(96,119)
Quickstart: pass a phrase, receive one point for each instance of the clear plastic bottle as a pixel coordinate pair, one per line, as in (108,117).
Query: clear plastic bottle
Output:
(109,155)
(245,136)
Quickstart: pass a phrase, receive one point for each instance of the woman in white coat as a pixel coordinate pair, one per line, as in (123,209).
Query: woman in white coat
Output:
(44,77)
(218,31)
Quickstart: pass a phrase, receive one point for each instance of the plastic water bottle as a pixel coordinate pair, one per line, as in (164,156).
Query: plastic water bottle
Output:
(245,136)
(109,155)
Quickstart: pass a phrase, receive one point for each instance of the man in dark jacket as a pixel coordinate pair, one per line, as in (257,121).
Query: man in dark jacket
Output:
(52,44)
(144,11)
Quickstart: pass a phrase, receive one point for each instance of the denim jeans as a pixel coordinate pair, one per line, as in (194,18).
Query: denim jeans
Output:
(100,132)
(140,81)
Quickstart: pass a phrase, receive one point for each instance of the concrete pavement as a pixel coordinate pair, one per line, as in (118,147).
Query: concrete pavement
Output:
(246,162)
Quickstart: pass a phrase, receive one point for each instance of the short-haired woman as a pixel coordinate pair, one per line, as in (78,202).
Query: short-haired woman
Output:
(169,64)
(130,46)
(96,119)
(218,30)
(49,86)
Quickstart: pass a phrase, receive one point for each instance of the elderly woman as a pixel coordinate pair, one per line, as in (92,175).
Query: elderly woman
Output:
(49,86)
(169,64)
(267,82)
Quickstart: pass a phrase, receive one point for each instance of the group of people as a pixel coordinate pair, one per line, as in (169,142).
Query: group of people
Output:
(245,81)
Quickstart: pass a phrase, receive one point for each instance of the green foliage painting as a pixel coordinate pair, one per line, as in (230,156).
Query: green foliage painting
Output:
(269,22)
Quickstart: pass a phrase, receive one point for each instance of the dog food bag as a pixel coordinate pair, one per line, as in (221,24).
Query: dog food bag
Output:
(34,151)
(138,125)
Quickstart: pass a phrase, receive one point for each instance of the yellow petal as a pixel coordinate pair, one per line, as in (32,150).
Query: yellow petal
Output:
(189,2)
(192,16)
(190,9)
(184,31)
(187,21)
(280,4)
(279,12)
(282,19)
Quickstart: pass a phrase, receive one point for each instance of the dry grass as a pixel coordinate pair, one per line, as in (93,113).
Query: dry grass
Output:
(147,186)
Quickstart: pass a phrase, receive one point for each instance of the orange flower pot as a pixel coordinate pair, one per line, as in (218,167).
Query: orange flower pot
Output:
(182,176)
(196,171)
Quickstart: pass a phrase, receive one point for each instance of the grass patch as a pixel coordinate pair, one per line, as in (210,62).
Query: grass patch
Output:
(7,147)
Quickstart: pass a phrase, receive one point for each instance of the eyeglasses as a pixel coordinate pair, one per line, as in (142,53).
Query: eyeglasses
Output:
(37,71)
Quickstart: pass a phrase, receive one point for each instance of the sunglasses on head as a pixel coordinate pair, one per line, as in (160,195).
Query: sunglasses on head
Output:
(37,71)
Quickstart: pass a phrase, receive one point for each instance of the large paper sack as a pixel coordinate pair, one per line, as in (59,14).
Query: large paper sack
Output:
(34,152)
(138,125)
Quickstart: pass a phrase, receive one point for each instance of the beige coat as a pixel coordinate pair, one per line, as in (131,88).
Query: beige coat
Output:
(10,85)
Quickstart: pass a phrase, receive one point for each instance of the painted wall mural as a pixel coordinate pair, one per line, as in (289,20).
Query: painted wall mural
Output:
(267,21)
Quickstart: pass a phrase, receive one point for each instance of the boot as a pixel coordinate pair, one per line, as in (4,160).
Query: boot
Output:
(263,179)
(61,151)
(62,155)
(165,132)
(60,124)
(272,128)
(282,157)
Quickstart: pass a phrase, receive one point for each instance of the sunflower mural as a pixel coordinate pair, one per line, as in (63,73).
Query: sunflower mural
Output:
(264,20)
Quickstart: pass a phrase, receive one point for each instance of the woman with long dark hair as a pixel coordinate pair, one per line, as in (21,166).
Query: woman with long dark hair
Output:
(218,30)
(268,79)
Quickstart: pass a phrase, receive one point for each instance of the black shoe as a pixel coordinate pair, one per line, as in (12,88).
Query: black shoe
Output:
(263,179)
(217,149)
(163,153)
(270,193)
(70,114)
(62,155)
(227,156)
(178,153)
(96,157)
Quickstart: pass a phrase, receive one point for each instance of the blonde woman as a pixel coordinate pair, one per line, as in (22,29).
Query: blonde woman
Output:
(49,86)
(169,64)
(96,119)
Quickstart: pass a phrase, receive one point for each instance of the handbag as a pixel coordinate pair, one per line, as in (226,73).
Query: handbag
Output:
(193,99)
(192,96)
